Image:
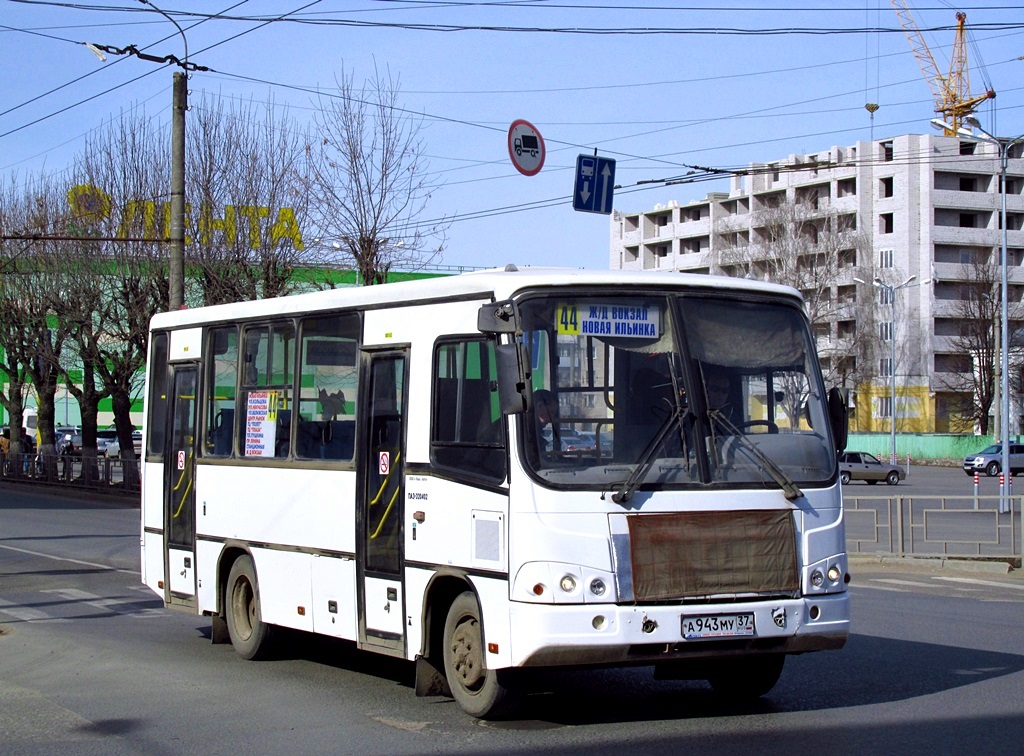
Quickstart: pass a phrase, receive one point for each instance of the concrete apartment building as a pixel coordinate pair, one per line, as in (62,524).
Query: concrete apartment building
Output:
(913,205)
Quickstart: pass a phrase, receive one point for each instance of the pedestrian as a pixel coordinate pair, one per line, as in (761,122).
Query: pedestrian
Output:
(5,449)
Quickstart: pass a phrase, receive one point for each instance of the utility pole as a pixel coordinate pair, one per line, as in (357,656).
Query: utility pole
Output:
(998,383)
(179,104)
(177,263)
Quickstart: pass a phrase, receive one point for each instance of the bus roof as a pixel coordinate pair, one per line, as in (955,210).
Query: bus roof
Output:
(499,283)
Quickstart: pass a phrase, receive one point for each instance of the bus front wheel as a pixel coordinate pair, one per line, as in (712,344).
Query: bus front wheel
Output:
(249,634)
(749,677)
(481,692)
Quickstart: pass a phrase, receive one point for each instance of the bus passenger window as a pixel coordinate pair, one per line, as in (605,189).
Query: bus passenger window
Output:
(328,358)
(156,404)
(268,360)
(221,387)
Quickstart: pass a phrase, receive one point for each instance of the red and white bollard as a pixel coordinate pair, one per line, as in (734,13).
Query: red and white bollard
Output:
(977,483)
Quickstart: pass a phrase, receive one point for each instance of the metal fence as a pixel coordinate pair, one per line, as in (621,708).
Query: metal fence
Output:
(934,526)
(102,474)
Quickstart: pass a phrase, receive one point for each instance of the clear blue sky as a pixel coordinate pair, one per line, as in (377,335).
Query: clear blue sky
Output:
(657,102)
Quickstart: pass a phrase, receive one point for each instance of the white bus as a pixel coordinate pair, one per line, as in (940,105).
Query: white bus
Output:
(378,464)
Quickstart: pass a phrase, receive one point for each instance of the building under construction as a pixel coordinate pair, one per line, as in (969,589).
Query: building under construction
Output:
(896,245)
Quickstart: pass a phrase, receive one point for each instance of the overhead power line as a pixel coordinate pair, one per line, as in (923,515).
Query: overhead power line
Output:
(296,17)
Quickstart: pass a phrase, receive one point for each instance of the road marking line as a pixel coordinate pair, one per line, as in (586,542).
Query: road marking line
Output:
(66,559)
(104,604)
(877,588)
(975,581)
(26,613)
(894,581)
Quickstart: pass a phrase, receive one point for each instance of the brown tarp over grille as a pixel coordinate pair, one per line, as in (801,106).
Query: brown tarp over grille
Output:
(707,553)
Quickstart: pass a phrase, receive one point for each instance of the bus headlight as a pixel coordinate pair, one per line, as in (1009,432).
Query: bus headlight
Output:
(562,584)
(825,576)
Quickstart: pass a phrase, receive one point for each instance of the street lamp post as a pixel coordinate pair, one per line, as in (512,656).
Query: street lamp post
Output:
(892,289)
(997,347)
(1003,146)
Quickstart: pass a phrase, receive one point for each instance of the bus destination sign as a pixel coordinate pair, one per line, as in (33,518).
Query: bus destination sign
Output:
(606,319)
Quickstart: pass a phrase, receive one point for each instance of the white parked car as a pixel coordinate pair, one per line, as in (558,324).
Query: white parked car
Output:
(113,450)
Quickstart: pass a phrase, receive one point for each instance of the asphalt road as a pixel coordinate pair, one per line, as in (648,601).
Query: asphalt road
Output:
(91,662)
(926,480)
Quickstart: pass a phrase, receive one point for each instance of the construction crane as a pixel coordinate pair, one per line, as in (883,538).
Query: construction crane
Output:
(952,92)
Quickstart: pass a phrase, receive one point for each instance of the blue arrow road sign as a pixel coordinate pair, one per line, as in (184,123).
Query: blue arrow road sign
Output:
(595,184)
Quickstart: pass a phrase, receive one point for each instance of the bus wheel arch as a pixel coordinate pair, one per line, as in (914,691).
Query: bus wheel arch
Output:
(441,592)
(480,692)
(219,625)
(251,637)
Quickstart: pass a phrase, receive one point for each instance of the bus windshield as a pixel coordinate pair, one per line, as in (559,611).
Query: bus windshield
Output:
(675,390)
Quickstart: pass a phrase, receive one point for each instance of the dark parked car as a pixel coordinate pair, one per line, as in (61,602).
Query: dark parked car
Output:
(990,460)
(869,468)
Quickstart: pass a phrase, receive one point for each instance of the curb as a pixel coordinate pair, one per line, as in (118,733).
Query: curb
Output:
(79,493)
(940,563)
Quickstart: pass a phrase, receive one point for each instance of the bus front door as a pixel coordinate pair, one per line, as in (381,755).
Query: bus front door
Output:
(381,493)
(179,488)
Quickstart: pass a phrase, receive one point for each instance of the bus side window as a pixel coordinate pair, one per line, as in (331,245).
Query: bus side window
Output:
(329,345)
(467,428)
(268,375)
(221,388)
(156,403)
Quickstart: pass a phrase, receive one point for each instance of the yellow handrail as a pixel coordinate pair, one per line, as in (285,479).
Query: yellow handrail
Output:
(385,517)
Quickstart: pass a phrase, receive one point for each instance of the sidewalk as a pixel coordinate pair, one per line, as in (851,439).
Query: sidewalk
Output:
(938,564)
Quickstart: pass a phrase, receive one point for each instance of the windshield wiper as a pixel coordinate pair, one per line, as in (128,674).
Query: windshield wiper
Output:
(788,485)
(646,460)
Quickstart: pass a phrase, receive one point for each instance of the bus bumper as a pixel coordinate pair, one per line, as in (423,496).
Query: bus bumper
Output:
(591,634)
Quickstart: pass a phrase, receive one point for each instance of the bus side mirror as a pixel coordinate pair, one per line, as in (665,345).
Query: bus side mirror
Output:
(498,317)
(838,417)
(512,361)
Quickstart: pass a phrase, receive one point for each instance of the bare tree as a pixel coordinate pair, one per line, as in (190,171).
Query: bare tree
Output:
(248,190)
(12,253)
(32,338)
(121,281)
(975,349)
(806,244)
(370,183)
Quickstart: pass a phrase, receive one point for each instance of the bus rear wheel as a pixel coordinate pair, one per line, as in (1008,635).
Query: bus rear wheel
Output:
(249,634)
(749,677)
(480,692)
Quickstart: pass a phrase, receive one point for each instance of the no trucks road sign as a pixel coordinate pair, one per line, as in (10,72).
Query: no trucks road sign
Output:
(526,147)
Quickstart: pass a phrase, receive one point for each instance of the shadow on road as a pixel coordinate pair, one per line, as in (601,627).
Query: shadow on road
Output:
(868,671)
